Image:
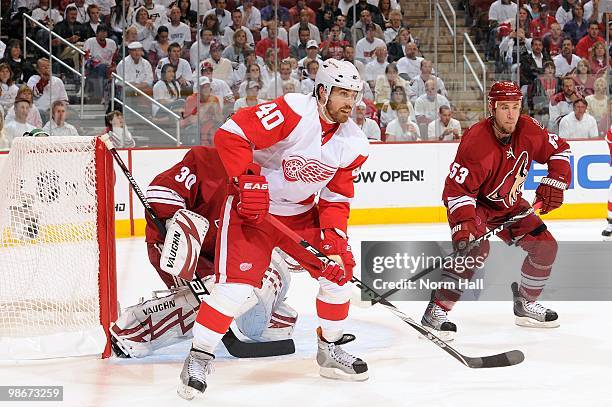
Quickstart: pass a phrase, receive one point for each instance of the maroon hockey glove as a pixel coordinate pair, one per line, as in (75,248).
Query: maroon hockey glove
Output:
(462,234)
(337,248)
(550,193)
(253,195)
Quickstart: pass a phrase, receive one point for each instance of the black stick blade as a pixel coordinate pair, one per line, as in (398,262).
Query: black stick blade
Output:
(510,358)
(240,349)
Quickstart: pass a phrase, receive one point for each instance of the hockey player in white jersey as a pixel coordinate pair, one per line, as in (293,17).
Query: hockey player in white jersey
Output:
(279,156)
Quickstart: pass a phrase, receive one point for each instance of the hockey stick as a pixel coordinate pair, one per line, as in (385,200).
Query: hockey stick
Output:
(235,346)
(509,358)
(473,244)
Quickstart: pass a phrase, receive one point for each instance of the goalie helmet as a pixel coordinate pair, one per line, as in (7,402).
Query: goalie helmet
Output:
(36,133)
(504,91)
(342,74)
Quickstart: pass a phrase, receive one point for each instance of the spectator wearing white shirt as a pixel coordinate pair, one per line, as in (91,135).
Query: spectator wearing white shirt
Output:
(578,124)
(118,131)
(101,51)
(251,17)
(200,50)
(561,103)
(409,66)
(167,91)
(417,85)
(376,67)
(8,89)
(312,54)
(33,115)
(402,129)
(201,6)
(307,86)
(426,106)
(228,33)
(182,70)
(218,87)
(445,128)
(368,126)
(364,49)
(81,8)
(251,98)
(157,13)
(178,31)
(46,15)
(502,10)
(15,127)
(145,28)
(349,55)
(275,88)
(253,74)
(135,69)
(224,16)
(222,67)
(57,125)
(303,22)
(281,32)
(564,13)
(46,88)
(566,61)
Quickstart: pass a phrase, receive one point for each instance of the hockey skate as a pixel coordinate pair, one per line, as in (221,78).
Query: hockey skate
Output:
(336,363)
(532,314)
(193,376)
(435,319)
(607,232)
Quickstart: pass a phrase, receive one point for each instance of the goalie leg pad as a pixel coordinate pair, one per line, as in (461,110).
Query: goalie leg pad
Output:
(184,238)
(150,325)
(265,316)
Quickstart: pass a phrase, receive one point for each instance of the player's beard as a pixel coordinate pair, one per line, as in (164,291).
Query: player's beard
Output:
(340,115)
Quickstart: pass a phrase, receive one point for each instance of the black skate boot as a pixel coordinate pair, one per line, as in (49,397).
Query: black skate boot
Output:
(193,376)
(607,232)
(532,314)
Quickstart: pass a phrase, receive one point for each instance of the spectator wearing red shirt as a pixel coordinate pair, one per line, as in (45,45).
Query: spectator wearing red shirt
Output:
(268,42)
(541,25)
(583,48)
(333,47)
(553,40)
(294,13)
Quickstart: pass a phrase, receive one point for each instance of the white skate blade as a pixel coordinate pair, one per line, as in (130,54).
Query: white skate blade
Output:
(337,374)
(445,336)
(188,393)
(532,323)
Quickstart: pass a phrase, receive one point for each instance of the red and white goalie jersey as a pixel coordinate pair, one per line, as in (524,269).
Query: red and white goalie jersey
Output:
(299,155)
(492,174)
(609,140)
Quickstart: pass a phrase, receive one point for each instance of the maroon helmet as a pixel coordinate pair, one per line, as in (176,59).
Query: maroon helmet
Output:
(504,91)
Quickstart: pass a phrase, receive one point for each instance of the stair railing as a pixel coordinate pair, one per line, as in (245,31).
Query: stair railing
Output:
(467,64)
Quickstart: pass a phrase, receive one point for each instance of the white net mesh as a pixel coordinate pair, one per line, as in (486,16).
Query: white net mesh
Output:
(49,254)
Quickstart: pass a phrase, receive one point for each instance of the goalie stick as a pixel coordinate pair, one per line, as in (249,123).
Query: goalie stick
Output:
(234,346)
(509,358)
(473,244)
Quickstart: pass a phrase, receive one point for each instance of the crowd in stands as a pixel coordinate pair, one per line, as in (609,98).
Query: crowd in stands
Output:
(559,53)
(205,59)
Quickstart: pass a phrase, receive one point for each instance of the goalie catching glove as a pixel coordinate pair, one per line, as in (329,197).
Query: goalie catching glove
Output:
(184,238)
(335,246)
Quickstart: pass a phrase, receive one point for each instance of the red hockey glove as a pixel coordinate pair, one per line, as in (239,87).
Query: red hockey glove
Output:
(462,234)
(336,247)
(550,194)
(253,195)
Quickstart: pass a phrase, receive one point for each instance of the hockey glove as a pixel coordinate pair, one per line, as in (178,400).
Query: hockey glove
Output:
(336,247)
(253,195)
(550,193)
(462,234)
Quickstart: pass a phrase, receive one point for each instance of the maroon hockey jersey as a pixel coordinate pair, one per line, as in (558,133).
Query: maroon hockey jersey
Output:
(197,183)
(490,173)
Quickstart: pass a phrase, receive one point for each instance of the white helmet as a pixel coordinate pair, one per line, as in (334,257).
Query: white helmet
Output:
(342,74)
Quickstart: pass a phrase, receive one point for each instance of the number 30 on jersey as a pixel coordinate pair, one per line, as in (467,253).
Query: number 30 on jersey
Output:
(458,173)
(270,118)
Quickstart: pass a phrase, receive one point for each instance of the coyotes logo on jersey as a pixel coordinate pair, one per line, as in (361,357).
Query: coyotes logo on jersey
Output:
(510,188)
(311,171)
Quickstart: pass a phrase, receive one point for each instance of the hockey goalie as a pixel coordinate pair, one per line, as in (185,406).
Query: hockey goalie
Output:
(188,198)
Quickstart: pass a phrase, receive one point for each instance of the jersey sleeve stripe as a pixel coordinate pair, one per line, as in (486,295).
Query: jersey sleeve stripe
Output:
(167,202)
(453,208)
(331,196)
(232,127)
(455,200)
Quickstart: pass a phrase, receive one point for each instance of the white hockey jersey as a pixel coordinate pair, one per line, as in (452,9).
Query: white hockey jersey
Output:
(299,156)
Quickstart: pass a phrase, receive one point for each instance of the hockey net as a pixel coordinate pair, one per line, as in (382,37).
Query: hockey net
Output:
(57,265)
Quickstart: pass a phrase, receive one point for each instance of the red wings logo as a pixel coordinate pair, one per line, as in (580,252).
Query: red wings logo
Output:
(511,187)
(297,168)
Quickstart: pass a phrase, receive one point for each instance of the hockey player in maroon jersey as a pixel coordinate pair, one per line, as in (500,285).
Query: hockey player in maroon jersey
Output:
(607,232)
(484,189)
(279,156)
(192,192)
